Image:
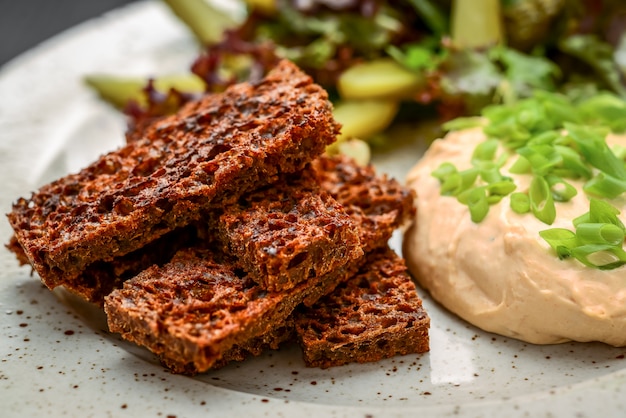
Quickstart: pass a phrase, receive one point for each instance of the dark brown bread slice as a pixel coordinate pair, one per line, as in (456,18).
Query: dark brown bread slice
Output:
(198,308)
(101,278)
(158,307)
(278,245)
(272,340)
(374,315)
(288,232)
(378,203)
(208,154)
(281,234)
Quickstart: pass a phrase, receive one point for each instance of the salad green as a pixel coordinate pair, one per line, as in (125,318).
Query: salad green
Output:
(449,58)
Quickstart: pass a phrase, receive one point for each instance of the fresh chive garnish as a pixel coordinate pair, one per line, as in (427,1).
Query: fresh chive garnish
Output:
(477,204)
(592,146)
(541,201)
(599,233)
(604,257)
(542,158)
(605,109)
(597,241)
(562,191)
(444,170)
(556,140)
(520,203)
(605,185)
(561,240)
(602,212)
(521,166)
(459,124)
(485,151)
(572,163)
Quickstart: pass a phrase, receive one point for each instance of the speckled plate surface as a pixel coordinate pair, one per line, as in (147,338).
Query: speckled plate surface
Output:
(57,359)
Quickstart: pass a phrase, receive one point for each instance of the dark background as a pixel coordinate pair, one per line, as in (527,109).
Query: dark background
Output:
(26,23)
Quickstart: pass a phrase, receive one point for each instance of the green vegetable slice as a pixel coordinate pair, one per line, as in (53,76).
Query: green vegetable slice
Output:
(562,191)
(459,124)
(600,212)
(604,257)
(561,240)
(600,233)
(476,201)
(520,203)
(541,201)
(542,158)
(597,241)
(604,185)
(592,145)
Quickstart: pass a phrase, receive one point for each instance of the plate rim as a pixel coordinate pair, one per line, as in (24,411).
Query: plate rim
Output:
(128,367)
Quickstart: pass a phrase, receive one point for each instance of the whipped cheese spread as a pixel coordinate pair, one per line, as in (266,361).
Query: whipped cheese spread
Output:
(499,274)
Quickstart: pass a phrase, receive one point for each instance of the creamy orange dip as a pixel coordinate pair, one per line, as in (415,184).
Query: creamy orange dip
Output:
(499,274)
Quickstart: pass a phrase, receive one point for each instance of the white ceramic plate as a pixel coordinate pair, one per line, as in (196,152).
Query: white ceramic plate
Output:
(58,359)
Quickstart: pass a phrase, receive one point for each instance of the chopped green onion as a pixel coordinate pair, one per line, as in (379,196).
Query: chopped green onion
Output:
(545,138)
(601,212)
(491,175)
(459,182)
(600,233)
(520,203)
(512,134)
(572,162)
(477,204)
(619,151)
(592,145)
(501,188)
(541,201)
(600,256)
(562,191)
(541,157)
(561,112)
(485,151)
(530,117)
(459,124)
(605,109)
(561,240)
(556,140)
(521,166)
(605,185)
(444,170)
(597,241)
(492,199)
(450,184)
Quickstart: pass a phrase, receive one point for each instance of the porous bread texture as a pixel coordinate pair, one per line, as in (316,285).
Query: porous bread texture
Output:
(379,203)
(160,306)
(198,308)
(272,340)
(289,232)
(206,155)
(375,314)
